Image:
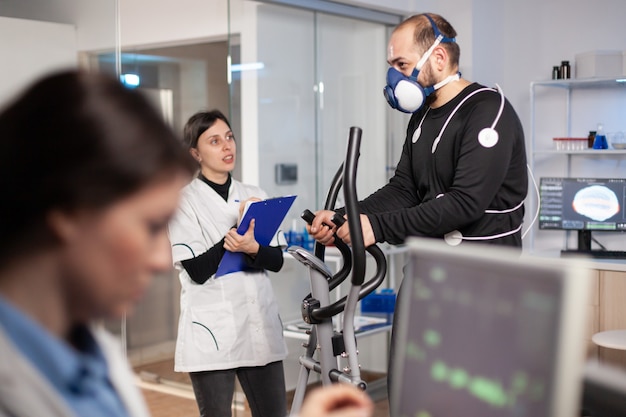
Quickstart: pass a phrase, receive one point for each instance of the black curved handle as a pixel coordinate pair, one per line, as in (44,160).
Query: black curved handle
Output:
(308,216)
(352,206)
(367,288)
(331,199)
(354,258)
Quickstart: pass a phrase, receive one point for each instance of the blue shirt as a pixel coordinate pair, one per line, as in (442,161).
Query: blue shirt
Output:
(79,374)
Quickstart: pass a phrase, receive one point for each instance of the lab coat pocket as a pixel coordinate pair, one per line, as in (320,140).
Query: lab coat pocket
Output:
(213,327)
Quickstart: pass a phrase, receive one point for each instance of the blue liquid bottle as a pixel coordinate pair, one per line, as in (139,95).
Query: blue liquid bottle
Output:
(600,140)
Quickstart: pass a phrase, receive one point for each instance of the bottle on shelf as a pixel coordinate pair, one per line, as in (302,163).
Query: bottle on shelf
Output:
(591,138)
(600,141)
(294,238)
(565,69)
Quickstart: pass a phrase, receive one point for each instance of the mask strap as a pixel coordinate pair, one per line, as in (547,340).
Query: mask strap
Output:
(429,90)
(426,55)
(437,32)
(448,79)
(439,38)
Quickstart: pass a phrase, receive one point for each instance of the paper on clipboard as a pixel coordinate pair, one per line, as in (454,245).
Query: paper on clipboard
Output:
(268,215)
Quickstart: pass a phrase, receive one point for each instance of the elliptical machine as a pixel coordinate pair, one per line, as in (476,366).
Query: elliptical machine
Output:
(317,309)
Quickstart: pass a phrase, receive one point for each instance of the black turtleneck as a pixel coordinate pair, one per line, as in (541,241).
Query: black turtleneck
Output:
(221,189)
(203,266)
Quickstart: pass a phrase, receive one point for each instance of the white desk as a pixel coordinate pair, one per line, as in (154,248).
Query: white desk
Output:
(364,326)
(613,339)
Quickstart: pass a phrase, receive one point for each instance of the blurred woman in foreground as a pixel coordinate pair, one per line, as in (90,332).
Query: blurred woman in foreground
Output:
(90,176)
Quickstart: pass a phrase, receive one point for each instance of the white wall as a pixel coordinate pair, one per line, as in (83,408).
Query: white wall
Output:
(34,49)
(166,22)
(404,7)
(39,36)
(96,23)
(519,42)
(94,19)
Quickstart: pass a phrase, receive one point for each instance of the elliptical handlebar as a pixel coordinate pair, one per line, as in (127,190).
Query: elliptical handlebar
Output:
(316,307)
(352,206)
(354,259)
(343,248)
(367,288)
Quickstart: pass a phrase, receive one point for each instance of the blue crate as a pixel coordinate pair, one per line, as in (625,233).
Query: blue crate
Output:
(381,301)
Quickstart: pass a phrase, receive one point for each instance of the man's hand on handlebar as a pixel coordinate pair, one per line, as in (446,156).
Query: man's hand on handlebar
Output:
(343,232)
(322,228)
(323,233)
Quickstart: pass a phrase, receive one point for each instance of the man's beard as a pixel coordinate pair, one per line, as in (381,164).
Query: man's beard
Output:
(430,80)
(431,98)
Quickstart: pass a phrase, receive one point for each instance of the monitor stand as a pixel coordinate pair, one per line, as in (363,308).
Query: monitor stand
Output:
(584,249)
(584,240)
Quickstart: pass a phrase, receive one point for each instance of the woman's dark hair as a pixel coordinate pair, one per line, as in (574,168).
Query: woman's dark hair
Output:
(198,123)
(77,140)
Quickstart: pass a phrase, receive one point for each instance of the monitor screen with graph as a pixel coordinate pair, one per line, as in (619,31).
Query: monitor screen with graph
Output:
(584,205)
(484,332)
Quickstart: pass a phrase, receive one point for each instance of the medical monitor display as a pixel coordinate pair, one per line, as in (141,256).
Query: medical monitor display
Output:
(582,204)
(487,333)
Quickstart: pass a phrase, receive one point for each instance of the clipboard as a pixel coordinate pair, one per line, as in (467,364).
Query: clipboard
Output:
(268,215)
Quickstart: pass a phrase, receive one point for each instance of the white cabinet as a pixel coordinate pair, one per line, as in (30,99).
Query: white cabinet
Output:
(572,108)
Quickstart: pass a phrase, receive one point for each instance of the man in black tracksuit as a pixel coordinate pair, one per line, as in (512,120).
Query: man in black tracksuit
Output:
(452,181)
(462,174)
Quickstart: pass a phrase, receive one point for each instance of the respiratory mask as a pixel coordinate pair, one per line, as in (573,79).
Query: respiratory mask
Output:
(405,93)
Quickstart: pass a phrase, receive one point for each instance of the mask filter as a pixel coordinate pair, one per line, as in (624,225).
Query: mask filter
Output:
(405,93)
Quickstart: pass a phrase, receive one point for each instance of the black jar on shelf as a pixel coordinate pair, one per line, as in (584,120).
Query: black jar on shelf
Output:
(565,69)
(591,138)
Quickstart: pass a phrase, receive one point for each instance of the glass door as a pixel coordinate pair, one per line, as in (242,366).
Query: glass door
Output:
(317,75)
(305,77)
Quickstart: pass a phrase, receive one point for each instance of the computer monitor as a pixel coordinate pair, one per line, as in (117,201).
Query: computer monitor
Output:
(485,331)
(583,205)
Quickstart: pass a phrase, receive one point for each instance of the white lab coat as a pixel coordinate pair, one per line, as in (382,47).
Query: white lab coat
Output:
(231,321)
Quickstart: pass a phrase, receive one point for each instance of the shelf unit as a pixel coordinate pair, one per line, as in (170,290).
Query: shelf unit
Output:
(568,86)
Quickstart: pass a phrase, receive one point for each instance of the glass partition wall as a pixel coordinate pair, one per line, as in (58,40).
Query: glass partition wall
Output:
(312,76)
(306,77)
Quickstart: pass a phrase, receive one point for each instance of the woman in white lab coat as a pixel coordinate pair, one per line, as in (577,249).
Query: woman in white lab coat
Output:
(229,325)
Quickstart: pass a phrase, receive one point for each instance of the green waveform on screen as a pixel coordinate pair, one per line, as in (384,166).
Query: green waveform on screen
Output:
(485,389)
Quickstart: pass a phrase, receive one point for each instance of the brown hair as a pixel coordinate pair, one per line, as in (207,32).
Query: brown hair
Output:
(424,35)
(199,123)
